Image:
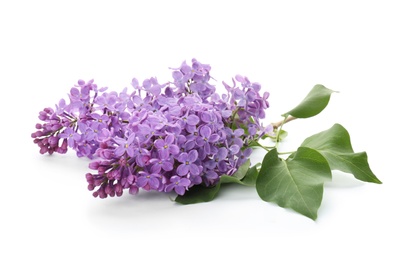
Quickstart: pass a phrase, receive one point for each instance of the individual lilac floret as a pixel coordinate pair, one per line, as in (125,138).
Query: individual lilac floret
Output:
(166,147)
(207,139)
(148,181)
(187,163)
(178,184)
(161,165)
(125,145)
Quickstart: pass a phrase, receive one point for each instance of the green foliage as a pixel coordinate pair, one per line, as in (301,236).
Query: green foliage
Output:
(201,193)
(282,135)
(296,182)
(312,104)
(251,175)
(335,145)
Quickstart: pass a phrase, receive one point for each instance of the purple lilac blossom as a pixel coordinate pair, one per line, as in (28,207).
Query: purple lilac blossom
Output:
(164,137)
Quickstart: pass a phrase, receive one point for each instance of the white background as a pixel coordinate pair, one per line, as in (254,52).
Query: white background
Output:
(359,48)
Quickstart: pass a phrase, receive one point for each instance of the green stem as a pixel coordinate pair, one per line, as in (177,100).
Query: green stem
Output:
(264,147)
(285,152)
(280,123)
(279,130)
(233,117)
(257,144)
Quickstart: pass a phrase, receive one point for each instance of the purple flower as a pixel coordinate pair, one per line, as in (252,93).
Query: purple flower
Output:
(212,119)
(142,155)
(178,184)
(81,94)
(234,136)
(206,138)
(191,119)
(106,101)
(218,160)
(161,164)
(193,132)
(210,177)
(166,147)
(151,86)
(243,156)
(135,84)
(166,140)
(187,163)
(72,137)
(84,148)
(125,145)
(148,181)
(100,119)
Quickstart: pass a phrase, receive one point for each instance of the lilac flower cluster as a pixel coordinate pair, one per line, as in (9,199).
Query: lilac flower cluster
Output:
(163,137)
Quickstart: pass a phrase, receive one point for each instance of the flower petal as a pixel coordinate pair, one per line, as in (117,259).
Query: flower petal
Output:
(194,169)
(248,152)
(213,138)
(135,83)
(169,187)
(119,151)
(207,148)
(180,190)
(183,169)
(234,149)
(205,131)
(222,153)
(193,120)
(154,183)
(169,139)
(200,141)
(130,151)
(192,156)
(182,157)
(184,182)
(212,175)
(159,143)
(156,168)
(210,164)
(164,154)
(167,166)
(222,166)
(141,181)
(190,145)
(238,132)
(177,75)
(174,149)
(206,117)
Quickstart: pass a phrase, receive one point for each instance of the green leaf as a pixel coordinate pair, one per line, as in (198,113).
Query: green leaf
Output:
(251,175)
(242,170)
(296,182)
(199,193)
(335,145)
(282,135)
(313,104)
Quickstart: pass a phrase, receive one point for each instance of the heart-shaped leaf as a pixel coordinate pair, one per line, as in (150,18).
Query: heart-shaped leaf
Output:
(296,182)
(251,175)
(335,145)
(312,104)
